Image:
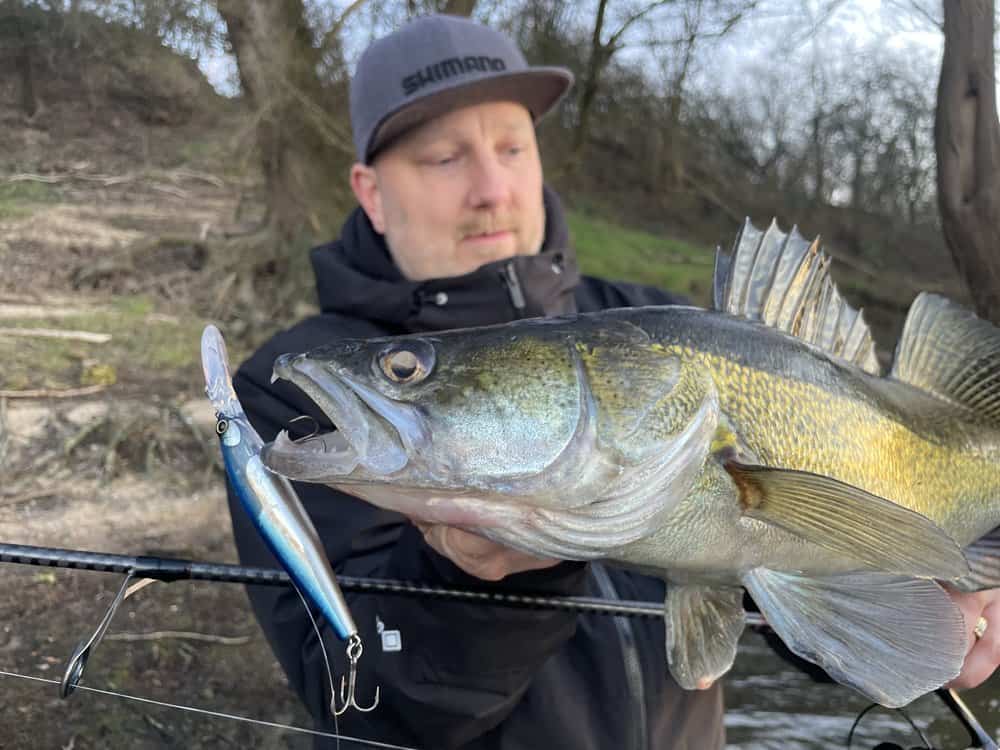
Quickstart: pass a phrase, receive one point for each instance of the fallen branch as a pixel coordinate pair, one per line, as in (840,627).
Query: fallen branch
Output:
(28,177)
(37,310)
(170,190)
(54,333)
(107,180)
(88,429)
(158,635)
(4,434)
(55,393)
(24,497)
(191,174)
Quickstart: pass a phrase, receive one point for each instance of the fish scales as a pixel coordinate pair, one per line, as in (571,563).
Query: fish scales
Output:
(845,424)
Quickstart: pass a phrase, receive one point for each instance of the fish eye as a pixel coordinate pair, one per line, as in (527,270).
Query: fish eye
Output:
(407,364)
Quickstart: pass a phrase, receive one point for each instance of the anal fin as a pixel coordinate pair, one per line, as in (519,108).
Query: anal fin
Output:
(850,521)
(703,626)
(892,638)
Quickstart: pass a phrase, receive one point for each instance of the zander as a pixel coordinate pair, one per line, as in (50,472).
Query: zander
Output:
(755,445)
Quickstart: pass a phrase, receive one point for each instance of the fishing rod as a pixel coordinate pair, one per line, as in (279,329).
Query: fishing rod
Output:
(174,569)
(141,570)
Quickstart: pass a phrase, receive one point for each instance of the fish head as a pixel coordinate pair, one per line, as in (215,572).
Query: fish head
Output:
(496,428)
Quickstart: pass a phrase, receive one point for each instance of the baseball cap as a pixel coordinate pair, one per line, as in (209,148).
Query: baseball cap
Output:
(437,63)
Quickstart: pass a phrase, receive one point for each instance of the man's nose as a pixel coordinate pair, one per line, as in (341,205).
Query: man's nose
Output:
(490,182)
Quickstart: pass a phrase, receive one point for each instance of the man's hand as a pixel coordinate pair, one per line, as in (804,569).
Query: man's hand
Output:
(983,656)
(478,556)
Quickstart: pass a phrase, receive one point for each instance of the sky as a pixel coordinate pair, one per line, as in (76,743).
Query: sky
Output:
(777,39)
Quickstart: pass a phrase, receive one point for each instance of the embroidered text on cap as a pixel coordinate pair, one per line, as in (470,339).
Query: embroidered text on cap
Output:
(452,66)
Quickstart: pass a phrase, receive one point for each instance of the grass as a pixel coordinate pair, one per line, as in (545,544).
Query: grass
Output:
(145,346)
(20,199)
(614,252)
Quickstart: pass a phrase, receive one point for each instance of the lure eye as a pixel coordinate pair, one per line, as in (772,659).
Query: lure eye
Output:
(407,364)
(220,427)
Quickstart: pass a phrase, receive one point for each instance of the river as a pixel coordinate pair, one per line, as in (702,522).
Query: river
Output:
(772,705)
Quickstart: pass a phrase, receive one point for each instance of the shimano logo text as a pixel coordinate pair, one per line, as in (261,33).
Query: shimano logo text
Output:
(453,66)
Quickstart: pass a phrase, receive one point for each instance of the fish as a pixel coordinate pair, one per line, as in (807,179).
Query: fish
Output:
(269,499)
(757,445)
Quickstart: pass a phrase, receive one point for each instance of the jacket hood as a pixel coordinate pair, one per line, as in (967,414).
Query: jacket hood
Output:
(356,276)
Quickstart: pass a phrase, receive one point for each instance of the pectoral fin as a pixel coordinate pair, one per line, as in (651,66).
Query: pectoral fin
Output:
(846,519)
(984,564)
(889,637)
(703,625)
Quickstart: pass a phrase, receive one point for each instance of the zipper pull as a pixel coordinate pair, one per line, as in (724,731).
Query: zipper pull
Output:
(509,276)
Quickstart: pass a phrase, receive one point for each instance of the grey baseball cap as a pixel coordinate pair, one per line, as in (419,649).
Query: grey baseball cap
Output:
(438,63)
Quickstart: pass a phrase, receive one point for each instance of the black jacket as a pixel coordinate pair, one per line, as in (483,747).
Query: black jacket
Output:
(467,675)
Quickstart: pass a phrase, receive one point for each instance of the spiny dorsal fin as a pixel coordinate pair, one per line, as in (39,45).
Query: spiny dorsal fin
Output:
(948,351)
(784,281)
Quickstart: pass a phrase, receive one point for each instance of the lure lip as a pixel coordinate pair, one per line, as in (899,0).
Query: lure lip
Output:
(218,378)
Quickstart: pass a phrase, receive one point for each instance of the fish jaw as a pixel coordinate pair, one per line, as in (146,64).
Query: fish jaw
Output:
(373,435)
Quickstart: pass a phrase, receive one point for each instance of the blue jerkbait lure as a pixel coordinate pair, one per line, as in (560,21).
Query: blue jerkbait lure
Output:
(277,513)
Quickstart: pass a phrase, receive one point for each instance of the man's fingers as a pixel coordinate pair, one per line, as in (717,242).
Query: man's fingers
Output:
(477,555)
(984,657)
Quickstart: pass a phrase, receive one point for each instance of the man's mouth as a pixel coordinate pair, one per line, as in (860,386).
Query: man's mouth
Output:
(488,237)
(371,435)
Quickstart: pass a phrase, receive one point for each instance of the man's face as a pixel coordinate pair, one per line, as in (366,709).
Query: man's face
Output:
(461,190)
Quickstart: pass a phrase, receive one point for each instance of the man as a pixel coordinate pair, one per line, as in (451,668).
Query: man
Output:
(454,229)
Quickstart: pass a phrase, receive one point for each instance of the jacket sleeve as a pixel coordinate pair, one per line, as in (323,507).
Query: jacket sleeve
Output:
(461,667)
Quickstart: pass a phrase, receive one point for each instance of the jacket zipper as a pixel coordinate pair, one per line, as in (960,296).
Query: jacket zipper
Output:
(630,657)
(514,286)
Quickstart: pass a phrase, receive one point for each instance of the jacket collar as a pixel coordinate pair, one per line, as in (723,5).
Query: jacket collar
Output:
(356,276)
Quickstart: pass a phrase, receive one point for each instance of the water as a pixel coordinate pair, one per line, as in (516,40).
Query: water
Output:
(772,705)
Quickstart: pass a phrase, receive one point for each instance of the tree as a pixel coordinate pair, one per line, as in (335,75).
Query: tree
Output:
(967,141)
(680,32)
(305,149)
(19,31)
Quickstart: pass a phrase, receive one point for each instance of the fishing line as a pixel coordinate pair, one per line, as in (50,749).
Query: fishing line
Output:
(216,714)
(326,661)
(905,715)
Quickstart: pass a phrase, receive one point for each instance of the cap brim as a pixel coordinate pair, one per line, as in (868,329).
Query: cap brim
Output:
(538,89)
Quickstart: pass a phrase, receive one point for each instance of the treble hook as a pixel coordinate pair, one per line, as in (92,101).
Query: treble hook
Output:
(312,434)
(78,661)
(349,697)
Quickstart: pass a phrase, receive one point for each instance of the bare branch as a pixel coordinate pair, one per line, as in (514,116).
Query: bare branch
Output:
(88,390)
(53,333)
(332,37)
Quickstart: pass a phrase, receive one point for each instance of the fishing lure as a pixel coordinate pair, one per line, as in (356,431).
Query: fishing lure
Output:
(278,514)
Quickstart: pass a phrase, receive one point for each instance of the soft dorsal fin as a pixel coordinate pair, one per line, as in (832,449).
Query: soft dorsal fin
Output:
(948,351)
(784,281)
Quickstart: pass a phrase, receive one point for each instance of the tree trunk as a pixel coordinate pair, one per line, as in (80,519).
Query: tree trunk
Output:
(817,152)
(599,56)
(19,31)
(459,7)
(29,99)
(302,132)
(967,141)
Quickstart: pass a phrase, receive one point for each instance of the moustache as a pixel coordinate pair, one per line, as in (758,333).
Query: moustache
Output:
(486,226)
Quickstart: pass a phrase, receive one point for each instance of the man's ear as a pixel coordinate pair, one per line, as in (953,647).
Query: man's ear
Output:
(366,190)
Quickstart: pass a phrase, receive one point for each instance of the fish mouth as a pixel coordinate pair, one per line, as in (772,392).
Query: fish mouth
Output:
(373,438)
